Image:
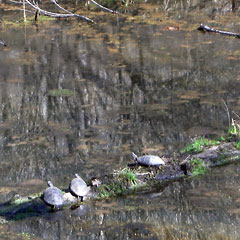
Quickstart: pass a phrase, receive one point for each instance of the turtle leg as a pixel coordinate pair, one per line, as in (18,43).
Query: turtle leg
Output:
(54,208)
(155,169)
(132,164)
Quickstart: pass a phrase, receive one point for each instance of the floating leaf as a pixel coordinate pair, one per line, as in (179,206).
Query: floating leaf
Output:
(171,28)
(232,58)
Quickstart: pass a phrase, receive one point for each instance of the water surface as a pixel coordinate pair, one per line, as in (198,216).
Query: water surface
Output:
(80,98)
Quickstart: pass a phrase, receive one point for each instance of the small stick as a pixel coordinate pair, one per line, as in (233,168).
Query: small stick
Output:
(229,120)
(36,15)
(24,12)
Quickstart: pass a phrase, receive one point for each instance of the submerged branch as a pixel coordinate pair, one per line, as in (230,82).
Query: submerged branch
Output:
(103,8)
(208,29)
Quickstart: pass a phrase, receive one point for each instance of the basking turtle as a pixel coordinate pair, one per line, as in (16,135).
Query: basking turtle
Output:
(148,160)
(78,187)
(52,196)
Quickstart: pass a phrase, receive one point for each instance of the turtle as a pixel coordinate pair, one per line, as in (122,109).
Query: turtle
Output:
(78,187)
(148,160)
(53,196)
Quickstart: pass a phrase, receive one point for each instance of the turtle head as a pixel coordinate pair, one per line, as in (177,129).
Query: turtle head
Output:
(134,156)
(50,184)
(96,182)
(77,176)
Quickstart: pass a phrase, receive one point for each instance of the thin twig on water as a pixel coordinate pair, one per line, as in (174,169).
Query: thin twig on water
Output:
(103,8)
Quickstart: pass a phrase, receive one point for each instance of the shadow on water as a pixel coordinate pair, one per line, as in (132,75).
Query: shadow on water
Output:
(79,98)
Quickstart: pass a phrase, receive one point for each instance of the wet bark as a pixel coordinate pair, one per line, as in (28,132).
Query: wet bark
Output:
(205,28)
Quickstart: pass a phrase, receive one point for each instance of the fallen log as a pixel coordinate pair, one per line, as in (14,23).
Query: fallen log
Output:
(205,28)
(130,180)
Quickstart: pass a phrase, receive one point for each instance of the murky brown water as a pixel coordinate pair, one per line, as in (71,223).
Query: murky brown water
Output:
(79,98)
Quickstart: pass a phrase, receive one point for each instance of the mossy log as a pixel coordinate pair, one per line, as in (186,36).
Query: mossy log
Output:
(131,180)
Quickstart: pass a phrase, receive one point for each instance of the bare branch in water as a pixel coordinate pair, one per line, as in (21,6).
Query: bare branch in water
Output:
(236,115)
(57,15)
(63,9)
(67,13)
(17,2)
(103,8)
(205,28)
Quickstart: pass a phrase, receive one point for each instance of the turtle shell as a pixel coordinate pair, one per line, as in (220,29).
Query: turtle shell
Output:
(78,187)
(148,160)
(52,196)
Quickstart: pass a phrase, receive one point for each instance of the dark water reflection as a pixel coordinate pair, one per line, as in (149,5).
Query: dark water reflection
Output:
(132,85)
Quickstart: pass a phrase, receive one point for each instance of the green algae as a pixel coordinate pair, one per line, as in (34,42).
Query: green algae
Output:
(198,167)
(128,175)
(61,93)
(198,145)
